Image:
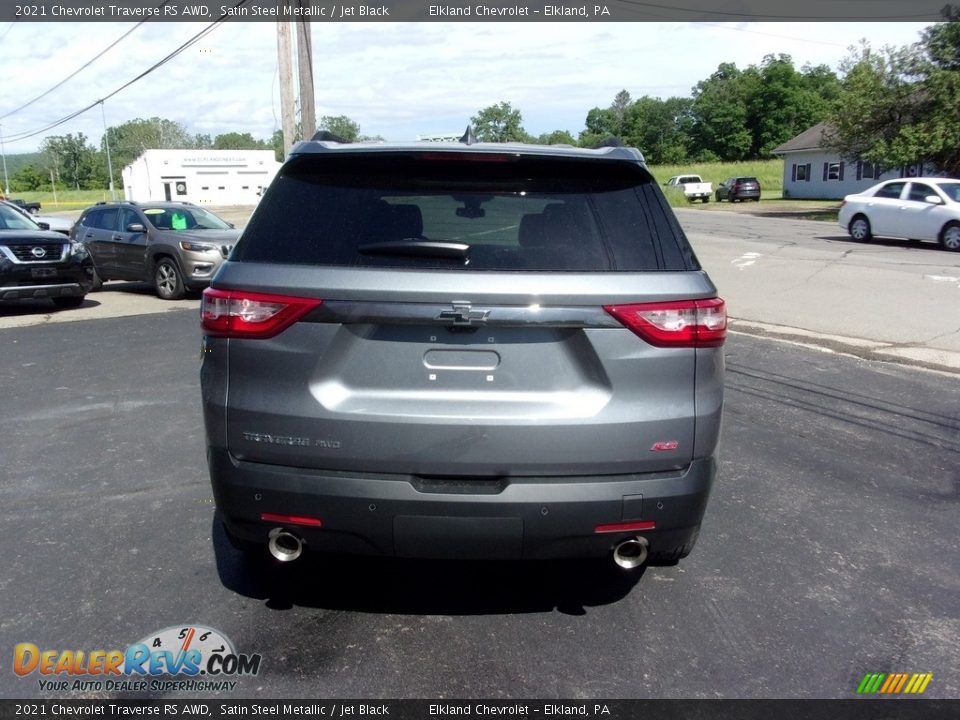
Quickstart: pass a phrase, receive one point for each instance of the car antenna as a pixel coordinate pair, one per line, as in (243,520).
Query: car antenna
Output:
(468,137)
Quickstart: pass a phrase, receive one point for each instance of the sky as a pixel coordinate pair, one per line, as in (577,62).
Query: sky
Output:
(397,80)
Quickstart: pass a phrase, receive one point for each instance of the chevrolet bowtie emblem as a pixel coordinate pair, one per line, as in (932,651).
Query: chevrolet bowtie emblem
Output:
(463,315)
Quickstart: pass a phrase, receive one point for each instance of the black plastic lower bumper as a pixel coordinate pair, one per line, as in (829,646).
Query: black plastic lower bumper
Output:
(533,518)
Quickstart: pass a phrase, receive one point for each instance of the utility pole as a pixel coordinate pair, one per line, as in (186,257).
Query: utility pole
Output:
(285,66)
(308,116)
(106,140)
(3,153)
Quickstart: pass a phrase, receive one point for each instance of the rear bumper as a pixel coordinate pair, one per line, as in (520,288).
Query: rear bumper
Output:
(531,518)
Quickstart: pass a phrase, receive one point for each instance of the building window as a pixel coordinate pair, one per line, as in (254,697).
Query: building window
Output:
(832,171)
(801,172)
(869,171)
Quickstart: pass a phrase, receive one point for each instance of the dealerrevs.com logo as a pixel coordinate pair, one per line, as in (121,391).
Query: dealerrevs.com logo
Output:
(182,657)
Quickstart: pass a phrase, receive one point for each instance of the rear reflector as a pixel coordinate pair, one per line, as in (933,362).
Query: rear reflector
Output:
(626,527)
(682,323)
(291,519)
(239,314)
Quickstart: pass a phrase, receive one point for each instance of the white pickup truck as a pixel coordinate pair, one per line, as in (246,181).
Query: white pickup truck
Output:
(693,187)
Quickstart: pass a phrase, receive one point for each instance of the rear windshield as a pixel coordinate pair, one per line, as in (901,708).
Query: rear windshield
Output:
(438,210)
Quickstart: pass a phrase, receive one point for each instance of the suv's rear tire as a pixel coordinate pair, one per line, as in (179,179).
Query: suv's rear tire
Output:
(167,280)
(72,301)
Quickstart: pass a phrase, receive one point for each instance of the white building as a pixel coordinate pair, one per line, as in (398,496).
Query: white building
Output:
(811,169)
(204,177)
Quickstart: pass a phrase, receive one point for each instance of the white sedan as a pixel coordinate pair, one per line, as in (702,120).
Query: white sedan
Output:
(913,208)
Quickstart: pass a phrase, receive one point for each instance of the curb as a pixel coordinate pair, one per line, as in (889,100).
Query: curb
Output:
(909,354)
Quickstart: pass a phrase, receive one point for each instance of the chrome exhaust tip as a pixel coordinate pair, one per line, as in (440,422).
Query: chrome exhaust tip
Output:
(631,553)
(284,545)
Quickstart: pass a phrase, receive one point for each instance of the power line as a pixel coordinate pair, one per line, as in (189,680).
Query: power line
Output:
(74,73)
(193,40)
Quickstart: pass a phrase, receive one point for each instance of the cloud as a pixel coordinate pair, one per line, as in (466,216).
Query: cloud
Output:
(397,80)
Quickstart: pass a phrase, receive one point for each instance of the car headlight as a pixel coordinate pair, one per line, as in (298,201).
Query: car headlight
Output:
(78,248)
(196,247)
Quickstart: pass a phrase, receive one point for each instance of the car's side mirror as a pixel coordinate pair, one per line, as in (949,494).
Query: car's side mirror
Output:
(43,225)
(136,227)
(933,199)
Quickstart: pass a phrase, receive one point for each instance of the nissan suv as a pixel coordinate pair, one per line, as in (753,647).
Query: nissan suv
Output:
(177,247)
(38,263)
(463,351)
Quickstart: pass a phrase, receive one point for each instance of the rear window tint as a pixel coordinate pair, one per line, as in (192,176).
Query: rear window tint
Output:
(430,210)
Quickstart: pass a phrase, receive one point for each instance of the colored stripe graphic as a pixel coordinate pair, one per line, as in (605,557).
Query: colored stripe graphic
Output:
(894,683)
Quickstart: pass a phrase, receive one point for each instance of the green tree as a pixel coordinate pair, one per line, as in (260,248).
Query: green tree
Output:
(901,106)
(601,123)
(783,102)
(341,126)
(721,112)
(499,123)
(660,128)
(131,139)
(28,178)
(74,159)
(557,137)
(237,141)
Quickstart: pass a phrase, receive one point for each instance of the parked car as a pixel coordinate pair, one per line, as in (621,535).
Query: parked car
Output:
(463,351)
(31,207)
(739,188)
(925,208)
(46,222)
(693,187)
(175,246)
(39,263)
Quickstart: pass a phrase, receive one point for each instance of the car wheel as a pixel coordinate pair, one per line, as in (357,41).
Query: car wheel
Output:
(167,280)
(860,229)
(950,237)
(706,199)
(719,199)
(72,301)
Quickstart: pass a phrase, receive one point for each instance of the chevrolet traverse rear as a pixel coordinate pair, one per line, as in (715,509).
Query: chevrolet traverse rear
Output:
(463,351)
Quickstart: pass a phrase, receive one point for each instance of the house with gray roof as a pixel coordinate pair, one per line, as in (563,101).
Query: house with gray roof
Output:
(812,169)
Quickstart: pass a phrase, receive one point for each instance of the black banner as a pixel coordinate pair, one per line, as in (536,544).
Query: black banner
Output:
(891,709)
(458,11)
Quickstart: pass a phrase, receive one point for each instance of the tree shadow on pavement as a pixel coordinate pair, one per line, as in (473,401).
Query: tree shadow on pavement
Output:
(420,587)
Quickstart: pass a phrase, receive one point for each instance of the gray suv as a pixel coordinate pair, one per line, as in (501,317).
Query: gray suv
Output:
(177,247)
(463,351)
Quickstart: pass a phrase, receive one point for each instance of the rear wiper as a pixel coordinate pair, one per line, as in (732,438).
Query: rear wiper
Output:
(419,248)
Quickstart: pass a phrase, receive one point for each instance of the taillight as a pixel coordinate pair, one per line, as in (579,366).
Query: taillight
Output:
(682,323)
(239,314)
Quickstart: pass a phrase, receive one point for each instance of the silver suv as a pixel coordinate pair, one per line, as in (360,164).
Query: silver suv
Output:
(463,351)
(177,247)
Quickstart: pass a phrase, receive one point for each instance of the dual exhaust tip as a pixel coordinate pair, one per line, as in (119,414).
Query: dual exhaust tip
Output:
(285,547)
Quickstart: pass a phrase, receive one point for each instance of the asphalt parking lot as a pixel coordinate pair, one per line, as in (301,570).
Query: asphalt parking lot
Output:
(829,548)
